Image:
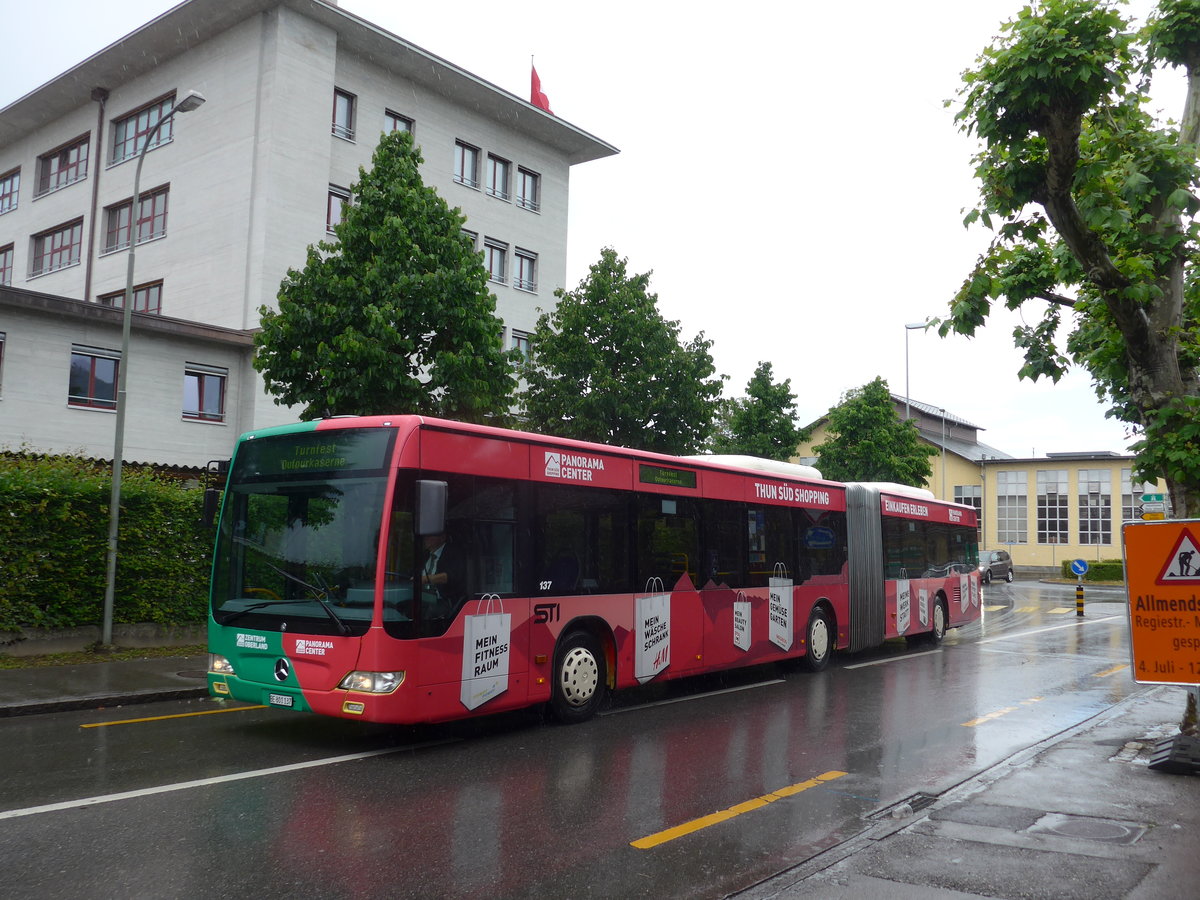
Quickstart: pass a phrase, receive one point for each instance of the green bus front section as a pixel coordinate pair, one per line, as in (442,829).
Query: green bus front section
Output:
(263,674)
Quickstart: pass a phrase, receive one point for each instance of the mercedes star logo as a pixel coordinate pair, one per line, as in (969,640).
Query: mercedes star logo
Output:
(282,669)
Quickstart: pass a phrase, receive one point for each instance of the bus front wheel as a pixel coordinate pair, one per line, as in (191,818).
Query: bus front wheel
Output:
(819,635)
(580,680)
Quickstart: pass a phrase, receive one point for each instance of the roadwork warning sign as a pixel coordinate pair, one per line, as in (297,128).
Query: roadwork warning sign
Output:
(1162,575)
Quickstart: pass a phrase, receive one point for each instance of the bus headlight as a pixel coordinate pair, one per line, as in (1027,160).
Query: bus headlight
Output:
(372,682)
(219,665)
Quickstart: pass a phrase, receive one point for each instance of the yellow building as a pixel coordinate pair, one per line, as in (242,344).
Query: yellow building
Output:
(1042,510)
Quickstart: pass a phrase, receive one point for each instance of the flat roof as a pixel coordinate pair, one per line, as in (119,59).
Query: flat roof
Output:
(193,21)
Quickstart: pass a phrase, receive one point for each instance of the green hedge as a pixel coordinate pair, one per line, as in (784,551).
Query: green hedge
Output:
(1102,570)
(54,540)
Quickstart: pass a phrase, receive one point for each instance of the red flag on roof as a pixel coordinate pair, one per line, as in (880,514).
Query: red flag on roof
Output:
(536,97)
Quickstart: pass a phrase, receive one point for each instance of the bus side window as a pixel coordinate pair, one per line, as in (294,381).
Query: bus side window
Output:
(724,535)
(668,540)
(770,533)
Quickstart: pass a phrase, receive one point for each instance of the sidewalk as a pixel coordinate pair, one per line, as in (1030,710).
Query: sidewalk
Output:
(92,685)
(1080,815)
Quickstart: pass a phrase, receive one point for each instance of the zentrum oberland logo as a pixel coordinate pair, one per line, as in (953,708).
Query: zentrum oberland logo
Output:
(572,466)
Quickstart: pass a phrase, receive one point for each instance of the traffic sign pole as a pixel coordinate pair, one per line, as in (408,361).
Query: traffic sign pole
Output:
(1079,567)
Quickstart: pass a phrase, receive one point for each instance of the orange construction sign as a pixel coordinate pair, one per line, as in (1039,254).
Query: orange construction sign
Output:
(1162,575)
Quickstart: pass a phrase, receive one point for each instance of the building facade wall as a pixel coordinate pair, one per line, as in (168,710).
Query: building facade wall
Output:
(249,175)
(35,366)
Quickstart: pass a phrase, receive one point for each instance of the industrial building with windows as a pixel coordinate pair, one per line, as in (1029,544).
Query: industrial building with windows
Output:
(296,95)
(1042,510)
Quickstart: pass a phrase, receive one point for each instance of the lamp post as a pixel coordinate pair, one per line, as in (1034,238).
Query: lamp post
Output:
(193,100)
(942,410)
(907,328)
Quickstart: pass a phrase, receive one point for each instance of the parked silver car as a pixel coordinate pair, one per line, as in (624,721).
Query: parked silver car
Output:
(995,564)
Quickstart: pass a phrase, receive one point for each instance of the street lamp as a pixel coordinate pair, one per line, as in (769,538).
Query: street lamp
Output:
(907,328)
(192,101)
(943,412)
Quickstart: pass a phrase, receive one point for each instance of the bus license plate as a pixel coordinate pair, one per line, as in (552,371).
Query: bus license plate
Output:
(281,700)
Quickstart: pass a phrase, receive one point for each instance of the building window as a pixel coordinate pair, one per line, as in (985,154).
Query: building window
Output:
(525,276)
(1052,506)
(335,209)
(93,381)
(151,220)
(472,238)
(57,248)
(147,298)
(494,259)
(520,342)
(1095,506)
(971,495)
(529,189)
(343,115)
(396,122)
(10,184)
(466,164)
(129,132)
(63,166)
(1011,507)
(204,393)
(497,176)
(6,264)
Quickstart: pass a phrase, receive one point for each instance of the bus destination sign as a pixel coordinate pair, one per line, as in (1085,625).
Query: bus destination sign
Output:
(678,478)
(318,453)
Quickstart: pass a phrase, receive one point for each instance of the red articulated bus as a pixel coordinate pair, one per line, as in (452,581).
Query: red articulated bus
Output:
(408,569)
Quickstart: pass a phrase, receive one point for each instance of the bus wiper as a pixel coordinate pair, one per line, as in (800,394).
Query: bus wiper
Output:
(236,614)
(318,593)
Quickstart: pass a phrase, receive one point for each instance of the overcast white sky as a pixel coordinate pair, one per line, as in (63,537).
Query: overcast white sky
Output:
(789,173)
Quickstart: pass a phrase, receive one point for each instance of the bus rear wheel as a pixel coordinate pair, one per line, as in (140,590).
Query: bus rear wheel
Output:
(819,640)
(941,620)
(580,679)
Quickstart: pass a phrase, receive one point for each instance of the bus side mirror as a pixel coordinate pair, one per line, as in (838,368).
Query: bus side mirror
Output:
(212,502)
(217,469)
(431,507)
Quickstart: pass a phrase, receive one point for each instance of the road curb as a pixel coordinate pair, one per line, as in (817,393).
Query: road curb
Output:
(39,707)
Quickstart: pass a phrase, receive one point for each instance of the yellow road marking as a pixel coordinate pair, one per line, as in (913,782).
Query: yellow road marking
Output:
(993,608)
(1113,671)
(205,712)
(1027,609)
(1060,610)
(1001,712)
(723,815)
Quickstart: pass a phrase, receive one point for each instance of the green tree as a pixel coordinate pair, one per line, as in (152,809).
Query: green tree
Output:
(762,423)
(868,441)
(396,316)
(606,366)
(1091,202)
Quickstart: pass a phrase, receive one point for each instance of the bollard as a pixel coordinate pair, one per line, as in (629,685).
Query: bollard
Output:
(1079,597)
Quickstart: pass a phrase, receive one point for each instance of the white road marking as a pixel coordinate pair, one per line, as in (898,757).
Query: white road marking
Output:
(208,782)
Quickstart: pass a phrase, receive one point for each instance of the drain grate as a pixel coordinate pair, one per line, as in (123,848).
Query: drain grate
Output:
(905,807)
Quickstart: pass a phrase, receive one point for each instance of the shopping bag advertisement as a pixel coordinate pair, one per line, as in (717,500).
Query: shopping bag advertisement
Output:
(780,607)
(903,606)
(741,622)
(485,652)
(653,631)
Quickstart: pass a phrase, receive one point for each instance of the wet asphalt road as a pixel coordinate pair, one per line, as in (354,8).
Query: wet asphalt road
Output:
(200,799)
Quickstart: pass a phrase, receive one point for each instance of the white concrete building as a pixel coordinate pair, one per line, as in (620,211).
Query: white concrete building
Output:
(297,94)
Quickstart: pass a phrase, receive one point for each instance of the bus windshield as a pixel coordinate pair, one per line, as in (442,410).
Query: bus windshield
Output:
(299,535)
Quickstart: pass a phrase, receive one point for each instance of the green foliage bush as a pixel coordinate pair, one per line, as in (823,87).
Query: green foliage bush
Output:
(54,539)
(1102,570)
